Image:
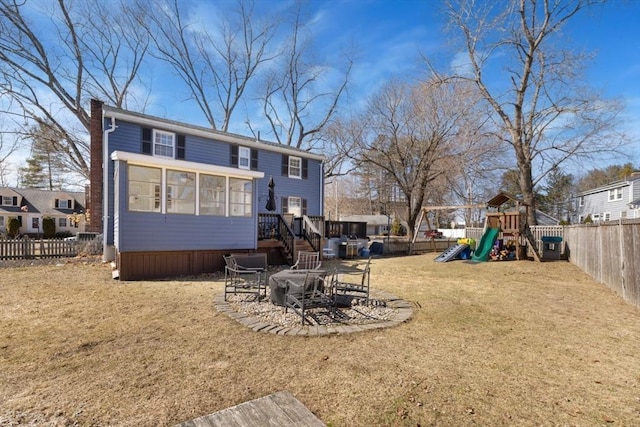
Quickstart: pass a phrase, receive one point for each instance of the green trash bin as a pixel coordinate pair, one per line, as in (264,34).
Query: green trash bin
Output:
(551,247)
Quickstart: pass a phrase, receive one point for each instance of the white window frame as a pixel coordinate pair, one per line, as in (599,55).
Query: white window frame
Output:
(243,199)
(615,194)
(212,200)
(240,197)
(296,203)
(66,203)
(145,190)
(1,221)
(164,144)
(295,171)
(181,192)
(244,158)
(7,198)
(581,201)
(606,216)
(62,222)
(595,217)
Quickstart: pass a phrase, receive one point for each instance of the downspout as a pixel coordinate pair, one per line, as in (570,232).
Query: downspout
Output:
(106,257)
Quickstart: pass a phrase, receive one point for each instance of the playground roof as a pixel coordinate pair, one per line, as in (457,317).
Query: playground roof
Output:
(503,198)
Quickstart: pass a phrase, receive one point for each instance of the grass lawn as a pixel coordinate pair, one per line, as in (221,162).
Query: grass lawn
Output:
(501,343)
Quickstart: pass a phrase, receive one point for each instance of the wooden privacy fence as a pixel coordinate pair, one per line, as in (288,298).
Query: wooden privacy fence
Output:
(37,248)
(609,253)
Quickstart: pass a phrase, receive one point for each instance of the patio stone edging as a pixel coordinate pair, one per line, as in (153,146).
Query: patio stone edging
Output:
(403,314)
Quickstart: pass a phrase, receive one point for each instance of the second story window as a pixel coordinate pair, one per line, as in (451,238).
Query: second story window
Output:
(163,143)
(244,158)
(581,202)
(295,167)
(9,201)
(615,194)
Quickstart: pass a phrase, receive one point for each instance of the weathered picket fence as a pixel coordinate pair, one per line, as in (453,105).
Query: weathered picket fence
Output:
(27,248)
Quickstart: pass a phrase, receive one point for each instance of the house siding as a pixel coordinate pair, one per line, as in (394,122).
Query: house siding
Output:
(596,202)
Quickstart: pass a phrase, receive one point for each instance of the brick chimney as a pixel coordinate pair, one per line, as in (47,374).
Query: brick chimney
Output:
(95,174)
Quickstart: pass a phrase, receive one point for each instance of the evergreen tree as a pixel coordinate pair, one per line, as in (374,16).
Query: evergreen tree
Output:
(557,200)
(45,168)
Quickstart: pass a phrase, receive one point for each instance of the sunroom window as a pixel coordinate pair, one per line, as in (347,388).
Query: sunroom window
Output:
(212,195)
(240,196)
(144,188)
(181,192)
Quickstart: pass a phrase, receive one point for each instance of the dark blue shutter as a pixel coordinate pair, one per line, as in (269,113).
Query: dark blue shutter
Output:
(57,203)
(304,206)
(285,165)
(285,205)
(181,147)
(15,200)
(146,140)
(234,155)
(305,168)
(254,160)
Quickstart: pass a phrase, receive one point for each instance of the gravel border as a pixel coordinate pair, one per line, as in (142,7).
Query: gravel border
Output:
(263,316)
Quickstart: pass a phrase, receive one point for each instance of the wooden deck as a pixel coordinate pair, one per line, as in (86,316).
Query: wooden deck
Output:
(280,409)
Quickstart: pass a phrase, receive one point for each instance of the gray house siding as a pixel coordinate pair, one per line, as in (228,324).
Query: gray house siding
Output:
(596,203)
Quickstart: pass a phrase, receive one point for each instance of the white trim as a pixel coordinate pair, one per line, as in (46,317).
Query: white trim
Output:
(247,156)
(146,160)
(154,143)
(299,159)
(203,132)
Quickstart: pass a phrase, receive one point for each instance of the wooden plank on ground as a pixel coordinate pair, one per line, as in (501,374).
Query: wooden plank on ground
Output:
(280,409)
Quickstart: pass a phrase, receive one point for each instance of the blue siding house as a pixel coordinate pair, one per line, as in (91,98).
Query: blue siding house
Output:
(179,196)
(612,202)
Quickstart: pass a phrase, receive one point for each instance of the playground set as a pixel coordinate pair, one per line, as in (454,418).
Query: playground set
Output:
(506,235)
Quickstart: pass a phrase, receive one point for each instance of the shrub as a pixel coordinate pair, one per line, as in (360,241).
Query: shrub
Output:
(13,227)
(48,227)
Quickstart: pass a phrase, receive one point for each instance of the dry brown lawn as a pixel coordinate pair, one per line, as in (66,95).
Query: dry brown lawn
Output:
(502,343)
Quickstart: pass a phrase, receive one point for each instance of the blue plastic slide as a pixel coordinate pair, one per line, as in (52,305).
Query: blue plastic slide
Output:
(481,254)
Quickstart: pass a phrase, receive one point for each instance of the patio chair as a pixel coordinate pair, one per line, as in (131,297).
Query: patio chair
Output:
(350,285)
(310,294)
(307,261)
(243,280)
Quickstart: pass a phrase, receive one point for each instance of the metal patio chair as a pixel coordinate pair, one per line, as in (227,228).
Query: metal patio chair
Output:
(350,285)
(307,261)
(312,293)
(243,280)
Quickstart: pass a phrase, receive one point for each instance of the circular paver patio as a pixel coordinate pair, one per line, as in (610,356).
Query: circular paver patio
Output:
(403,313)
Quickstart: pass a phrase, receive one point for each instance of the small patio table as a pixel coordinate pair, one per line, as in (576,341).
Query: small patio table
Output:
(278,283)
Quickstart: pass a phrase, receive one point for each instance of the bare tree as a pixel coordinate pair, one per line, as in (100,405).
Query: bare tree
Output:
(6,150)
(54,59)
(540,108)
(298,101)
(216,59)
(409,132)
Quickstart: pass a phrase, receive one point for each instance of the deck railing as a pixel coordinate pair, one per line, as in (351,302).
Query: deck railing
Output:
(311,232)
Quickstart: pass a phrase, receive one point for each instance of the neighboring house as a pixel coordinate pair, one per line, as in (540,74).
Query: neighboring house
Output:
(30,206)
(618,200)
(377,225)
(180,196)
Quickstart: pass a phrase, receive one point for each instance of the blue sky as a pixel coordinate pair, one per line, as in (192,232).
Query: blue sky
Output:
(389,37)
